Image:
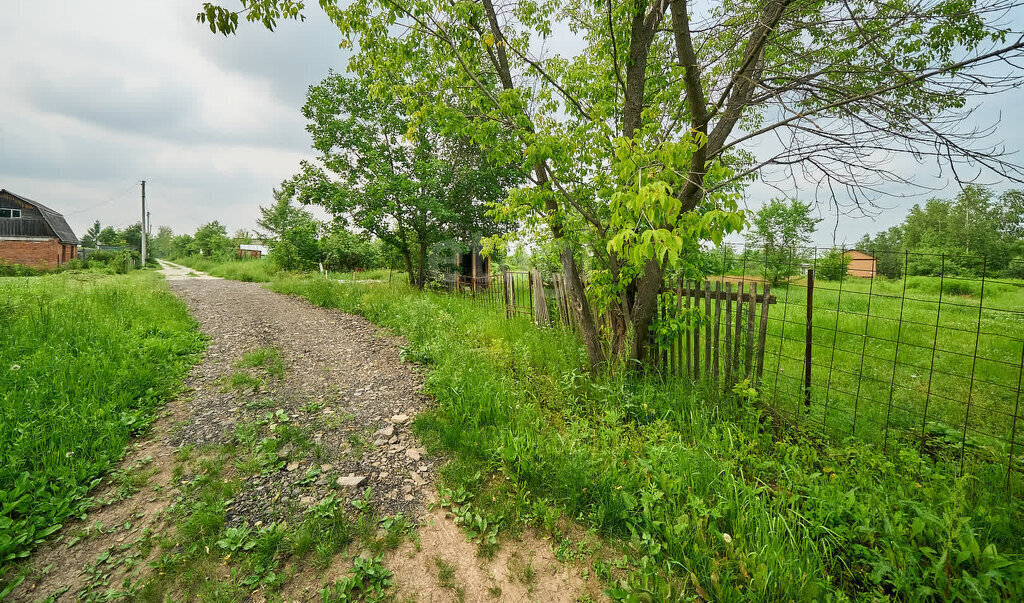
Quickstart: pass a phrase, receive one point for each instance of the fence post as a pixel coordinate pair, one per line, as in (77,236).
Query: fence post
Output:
(807,336)
(506,279)
(540,302)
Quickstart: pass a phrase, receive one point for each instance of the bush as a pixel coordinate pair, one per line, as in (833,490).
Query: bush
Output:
(833,265)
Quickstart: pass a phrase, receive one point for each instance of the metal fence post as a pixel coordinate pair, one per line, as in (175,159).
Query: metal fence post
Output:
(807,336)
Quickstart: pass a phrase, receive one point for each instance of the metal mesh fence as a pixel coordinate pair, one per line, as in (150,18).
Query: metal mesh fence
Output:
(922,350)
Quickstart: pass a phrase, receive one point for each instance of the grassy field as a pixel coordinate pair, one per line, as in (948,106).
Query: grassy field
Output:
(85,361)
(703,494)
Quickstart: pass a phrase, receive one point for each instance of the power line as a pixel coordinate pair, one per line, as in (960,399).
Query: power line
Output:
(107,202)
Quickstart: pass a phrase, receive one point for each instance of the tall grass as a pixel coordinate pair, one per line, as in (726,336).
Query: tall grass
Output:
(895,359)
(706,495)
(260,270)
(85,360)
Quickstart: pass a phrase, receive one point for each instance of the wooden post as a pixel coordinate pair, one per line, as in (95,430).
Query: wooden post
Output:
(677,345)
(728,334)
(718,327)
(762,332)
(707,328)
(695,291)
(807,336)
(739,327)
(686,348)
(540,302)
(472,260)
(748,365)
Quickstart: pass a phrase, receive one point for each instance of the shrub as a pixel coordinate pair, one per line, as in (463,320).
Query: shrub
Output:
(833,265)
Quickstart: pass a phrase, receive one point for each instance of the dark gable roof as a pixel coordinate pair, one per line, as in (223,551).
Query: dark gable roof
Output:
(54,220)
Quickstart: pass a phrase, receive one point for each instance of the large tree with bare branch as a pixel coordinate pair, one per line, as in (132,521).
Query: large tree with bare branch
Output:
(640,142)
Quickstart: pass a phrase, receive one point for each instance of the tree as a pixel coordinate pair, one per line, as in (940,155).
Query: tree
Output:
(211,240)
(293,245)
(108,236)
(832,266)
(639,145)
(162,245)
(411,194)
(183,245)
(91,237)
(780,231)
(343,250)
(131,236)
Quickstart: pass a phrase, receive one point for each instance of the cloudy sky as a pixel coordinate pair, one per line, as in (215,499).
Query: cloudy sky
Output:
(100,94)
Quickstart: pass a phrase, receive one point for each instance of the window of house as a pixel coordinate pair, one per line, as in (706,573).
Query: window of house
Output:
(9,213)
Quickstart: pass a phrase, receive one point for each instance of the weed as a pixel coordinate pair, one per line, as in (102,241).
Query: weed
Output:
(267,358)
(445,573)
(241,380)
(368,580)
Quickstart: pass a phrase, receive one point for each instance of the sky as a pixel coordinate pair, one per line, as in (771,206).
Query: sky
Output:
(100,94)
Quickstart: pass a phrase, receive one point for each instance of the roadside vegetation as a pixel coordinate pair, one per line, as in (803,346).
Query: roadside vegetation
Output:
(86,360)
(707,494)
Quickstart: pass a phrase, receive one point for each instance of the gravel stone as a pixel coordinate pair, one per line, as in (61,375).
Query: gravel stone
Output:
(345,364)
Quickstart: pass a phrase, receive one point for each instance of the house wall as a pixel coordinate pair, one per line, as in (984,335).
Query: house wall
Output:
(30,224)
(861,264)
(36,253)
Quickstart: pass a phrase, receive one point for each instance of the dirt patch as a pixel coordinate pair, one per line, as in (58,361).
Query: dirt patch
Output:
(444,566)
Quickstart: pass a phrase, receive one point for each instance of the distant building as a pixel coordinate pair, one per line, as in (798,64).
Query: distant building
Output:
(252,251)
(861,264)
(32,234)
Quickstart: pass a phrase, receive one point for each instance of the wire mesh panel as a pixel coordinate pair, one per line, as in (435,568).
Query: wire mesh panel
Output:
(904,347)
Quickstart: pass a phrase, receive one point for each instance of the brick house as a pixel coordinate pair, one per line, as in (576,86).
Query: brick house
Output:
(32,234)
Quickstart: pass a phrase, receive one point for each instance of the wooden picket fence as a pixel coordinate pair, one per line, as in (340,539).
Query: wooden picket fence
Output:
(725,343)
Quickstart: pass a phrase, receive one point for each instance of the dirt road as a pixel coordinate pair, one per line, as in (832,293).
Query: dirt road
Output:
(331,395)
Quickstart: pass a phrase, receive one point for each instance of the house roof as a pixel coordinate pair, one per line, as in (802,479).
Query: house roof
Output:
(54,220)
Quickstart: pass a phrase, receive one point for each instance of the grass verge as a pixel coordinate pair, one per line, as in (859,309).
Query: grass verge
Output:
(708,496)
(85,361)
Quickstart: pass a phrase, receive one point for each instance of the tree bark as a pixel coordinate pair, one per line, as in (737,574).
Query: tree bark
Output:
(422,280)
(647,288)
(408,265)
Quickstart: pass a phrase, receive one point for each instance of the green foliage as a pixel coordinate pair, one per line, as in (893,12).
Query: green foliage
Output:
(85,360)
(294,230)
(342,251)
(779,232)
(368,580)
(408,191)
(832,266)
(973,233)
(697,488)
(211,240)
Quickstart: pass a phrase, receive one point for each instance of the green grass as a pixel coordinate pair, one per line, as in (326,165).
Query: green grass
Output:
(249,270)
(703,493)
(85,362)
(868,336)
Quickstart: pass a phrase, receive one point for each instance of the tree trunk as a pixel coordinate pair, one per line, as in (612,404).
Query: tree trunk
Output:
(581,305)
(422,280)
(647,289)
(408,265)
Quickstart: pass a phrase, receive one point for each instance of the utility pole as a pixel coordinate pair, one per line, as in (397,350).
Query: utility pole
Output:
(144,221)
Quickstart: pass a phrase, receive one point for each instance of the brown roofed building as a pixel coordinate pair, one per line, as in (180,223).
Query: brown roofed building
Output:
(32,234)
(861,264)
